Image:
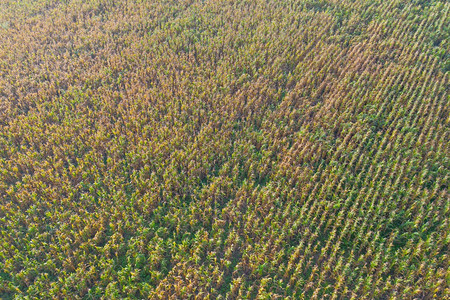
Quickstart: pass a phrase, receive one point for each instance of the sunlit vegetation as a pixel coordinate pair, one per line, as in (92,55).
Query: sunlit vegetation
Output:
(224,149)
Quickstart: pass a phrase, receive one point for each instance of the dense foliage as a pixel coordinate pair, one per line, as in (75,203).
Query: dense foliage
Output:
(224,149)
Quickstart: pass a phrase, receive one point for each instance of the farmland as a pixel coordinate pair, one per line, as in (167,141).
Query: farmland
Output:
(220,149)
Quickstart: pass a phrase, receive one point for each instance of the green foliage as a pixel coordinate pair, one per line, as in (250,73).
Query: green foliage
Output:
(224,149)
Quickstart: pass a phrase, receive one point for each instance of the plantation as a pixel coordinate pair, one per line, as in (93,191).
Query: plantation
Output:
(247,149)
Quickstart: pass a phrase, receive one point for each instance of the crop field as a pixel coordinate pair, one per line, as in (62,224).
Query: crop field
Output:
(220,149)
